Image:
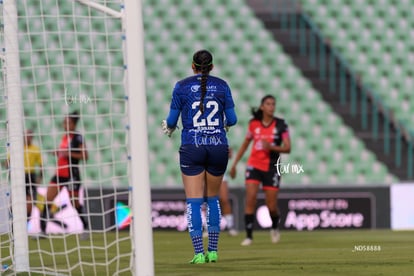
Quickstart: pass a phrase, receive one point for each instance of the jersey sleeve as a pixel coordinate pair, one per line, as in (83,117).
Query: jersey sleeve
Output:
(284,129)
(231,117)
(229,103)
(76,142)
(172,118)
(176,100)
(175,108)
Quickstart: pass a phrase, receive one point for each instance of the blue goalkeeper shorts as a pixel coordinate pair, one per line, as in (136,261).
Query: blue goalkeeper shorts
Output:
(196,159)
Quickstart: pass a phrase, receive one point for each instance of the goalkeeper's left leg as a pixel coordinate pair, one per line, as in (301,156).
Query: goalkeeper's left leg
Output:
(213,222)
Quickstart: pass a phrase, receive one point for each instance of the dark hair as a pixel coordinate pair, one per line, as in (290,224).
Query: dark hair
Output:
(74,117)
(203,62)
(257,112)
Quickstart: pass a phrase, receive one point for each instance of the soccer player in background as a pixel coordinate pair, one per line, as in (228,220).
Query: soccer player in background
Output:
(71,151)
(203,101)
(226,208)
(33,169)
(270,138)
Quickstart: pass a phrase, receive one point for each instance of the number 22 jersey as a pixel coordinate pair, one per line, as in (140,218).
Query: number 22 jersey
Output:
(202,128)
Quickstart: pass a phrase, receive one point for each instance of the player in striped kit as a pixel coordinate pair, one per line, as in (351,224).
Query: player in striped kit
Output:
(72,150)
(270,137)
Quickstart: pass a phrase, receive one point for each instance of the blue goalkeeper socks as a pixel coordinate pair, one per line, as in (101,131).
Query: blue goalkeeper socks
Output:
(213,222)
(195,223)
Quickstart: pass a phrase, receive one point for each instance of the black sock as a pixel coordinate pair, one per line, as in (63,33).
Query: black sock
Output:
(43,219)
(275,221)
(249,223)
(82,217)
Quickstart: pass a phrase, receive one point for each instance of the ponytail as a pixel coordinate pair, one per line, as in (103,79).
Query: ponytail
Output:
(203,62)
(257,113)
(204,76)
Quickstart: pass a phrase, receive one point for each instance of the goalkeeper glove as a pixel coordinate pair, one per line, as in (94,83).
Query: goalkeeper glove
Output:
(166,129)
(226,127)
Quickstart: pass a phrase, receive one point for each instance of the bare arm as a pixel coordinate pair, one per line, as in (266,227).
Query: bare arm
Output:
(283,148)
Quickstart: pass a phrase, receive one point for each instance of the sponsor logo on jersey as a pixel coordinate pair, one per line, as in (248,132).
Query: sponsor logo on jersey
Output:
(195,88)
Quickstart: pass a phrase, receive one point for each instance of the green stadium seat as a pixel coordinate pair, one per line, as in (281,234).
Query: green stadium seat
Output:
(245,54)
(389,24)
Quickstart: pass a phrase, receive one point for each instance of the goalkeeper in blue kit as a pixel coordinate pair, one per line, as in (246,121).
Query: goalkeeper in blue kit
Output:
(207,109)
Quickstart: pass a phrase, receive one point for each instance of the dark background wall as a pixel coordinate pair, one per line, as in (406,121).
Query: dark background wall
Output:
(301,209)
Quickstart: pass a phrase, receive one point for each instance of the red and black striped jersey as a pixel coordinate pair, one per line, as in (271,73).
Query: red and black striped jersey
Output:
(274,133)
(71,142)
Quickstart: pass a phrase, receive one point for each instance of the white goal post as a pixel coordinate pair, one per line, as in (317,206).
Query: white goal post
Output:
(84,56)
(138,139)
(15,135)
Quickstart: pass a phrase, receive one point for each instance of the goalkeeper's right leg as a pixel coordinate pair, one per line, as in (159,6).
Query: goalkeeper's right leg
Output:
(41,205)
(40,202)
(45,204)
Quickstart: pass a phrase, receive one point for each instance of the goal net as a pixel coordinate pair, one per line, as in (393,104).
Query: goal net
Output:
(70,58)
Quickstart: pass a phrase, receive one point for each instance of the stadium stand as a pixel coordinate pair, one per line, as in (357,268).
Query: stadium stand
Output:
(376,38)
(245,51)
(246,55)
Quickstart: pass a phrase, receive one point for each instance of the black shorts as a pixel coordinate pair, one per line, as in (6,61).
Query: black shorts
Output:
(30,179)
(270,180)
(72,184)
(196,159)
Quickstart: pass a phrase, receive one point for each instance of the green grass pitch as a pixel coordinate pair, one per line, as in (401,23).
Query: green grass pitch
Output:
(355,252)
(323,252)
